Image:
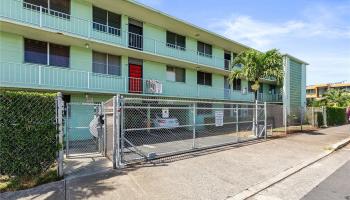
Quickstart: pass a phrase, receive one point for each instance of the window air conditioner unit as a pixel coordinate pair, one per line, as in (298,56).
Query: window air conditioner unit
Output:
(154,87)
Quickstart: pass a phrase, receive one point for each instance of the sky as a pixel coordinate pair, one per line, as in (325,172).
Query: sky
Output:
(316,31)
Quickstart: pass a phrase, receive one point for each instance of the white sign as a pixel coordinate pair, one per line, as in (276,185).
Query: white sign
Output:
(219,118)
(165,113)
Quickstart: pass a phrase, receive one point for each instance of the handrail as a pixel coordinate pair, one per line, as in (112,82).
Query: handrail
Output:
(50,77)
(44,17)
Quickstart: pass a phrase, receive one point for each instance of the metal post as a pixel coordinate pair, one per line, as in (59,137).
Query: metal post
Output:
(41,17)
(194,126)
(237,123)
(60,133)
(148,118)
(256,119)
(104,131)
(265,119)
(286,120)
(116,131)
(155,46)
(40,68)
(67,130)
(313,116)
(324,112)
(88,80)
(122,132)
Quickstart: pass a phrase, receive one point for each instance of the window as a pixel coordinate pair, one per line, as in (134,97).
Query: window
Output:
(272,89)
(227,57)
(250,83)
(175,41)
(104,21)
(106,64)
(261,88)
(60,8)
(46,53)
(204,78)
(176,74)
(59,55)
(35,51)
(236,84)
(204,49)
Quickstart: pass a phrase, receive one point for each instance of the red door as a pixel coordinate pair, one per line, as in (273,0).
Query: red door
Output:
(135,78)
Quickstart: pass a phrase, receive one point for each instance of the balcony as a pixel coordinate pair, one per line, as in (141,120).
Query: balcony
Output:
(22,75)
(263,97)
(37,16)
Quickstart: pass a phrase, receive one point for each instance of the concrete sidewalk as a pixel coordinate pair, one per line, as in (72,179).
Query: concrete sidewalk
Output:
(215,175)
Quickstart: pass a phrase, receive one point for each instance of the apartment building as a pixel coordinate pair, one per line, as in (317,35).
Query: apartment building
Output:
(317,91)
(91,50)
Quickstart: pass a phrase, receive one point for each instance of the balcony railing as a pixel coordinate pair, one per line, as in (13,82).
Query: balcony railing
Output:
(34,15)
(22,75)
(269,97)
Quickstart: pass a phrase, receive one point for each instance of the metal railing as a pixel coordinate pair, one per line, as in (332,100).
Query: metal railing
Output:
(39,16)
(48,77)
(263,97)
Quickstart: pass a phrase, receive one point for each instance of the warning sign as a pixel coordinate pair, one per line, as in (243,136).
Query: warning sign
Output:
(165,113)
(219,118)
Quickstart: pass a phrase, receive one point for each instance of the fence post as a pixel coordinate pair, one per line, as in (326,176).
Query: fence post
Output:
(286,120)
(122,132)
(256,119)
(324,113)
(116,132)
(313,116)
(59,119)
(265,119)
(302,118)
(237,119)
(194,126)
(41,17)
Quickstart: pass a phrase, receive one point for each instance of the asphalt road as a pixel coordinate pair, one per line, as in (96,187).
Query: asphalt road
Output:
(336,186)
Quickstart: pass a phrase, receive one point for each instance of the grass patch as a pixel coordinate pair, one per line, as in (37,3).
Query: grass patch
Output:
(10,184)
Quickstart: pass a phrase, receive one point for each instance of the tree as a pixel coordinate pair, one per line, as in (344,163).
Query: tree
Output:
(257,66)
(335,98)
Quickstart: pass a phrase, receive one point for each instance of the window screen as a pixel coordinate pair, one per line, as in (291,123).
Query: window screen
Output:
(114,67)
(99,63)
(204,78)
(204,49)
(236,84)
(176,74)
(35,51)
(59,55)
(176,41)
(62,6)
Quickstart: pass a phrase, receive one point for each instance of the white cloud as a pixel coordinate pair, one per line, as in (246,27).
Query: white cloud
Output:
(264,35)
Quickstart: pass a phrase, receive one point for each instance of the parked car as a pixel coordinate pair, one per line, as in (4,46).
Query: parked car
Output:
(165,122)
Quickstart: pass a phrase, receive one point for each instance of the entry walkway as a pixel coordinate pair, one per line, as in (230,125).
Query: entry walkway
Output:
(215,175)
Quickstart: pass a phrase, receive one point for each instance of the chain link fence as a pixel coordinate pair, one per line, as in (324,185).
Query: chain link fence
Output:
(29,136)
(142,129)
(83,135)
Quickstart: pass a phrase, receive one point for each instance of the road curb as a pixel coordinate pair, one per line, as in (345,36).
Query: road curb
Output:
(249,192)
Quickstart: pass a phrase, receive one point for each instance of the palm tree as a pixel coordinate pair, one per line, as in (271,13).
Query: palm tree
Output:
(335,98)
(257,66)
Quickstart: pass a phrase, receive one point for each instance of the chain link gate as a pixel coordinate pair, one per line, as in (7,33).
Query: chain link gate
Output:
(84,130)
(142,129)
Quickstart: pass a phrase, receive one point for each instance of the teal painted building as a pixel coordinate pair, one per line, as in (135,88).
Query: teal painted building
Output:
(91,50)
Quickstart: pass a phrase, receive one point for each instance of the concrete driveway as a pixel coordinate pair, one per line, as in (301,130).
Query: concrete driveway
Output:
(216,174)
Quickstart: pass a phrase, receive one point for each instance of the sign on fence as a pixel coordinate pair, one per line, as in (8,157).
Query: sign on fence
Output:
(219,118)
(165,113)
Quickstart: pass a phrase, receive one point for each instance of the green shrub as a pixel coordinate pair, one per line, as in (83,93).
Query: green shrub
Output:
(28,135)
(336,116)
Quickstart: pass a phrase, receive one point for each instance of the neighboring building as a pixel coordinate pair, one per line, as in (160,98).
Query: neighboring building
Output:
(317,91)
(91,50)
